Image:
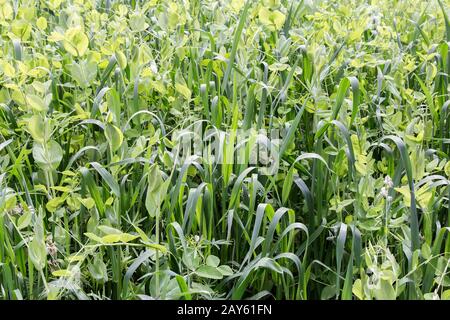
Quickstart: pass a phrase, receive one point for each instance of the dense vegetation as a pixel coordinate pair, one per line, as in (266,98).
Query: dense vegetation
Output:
(96,204)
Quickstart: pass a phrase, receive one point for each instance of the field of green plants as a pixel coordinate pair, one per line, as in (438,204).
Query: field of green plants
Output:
(97,95)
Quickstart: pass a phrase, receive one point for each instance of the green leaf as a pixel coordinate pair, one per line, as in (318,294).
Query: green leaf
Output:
(209,272)
(142,234)
(445,295)
(236,40)
(385,292)
(89,203)
(156,246)
(155,192)
(93,189)
(274,20)
(111,238)
(358,290)
(41,23)
(183,287)
(447,169)
(24,220)
(49,155)
(137,22)
(37,103)
(83,73)
(183,90)
(62,273)
(109,230)
(39,128)
(37,253)
(114,136)
(212,261)
(55,203)
(225,270)
(75,41)
(108,178)
(191,258)
(94,237)
(126,237)
(426,251)
(98,270)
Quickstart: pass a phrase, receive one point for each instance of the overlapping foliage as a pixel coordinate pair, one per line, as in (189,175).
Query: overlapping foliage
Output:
(93,204)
